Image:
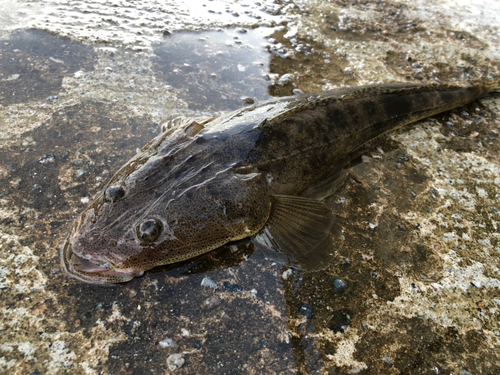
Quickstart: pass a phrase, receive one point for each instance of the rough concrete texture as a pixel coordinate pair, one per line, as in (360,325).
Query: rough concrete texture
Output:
(415,285)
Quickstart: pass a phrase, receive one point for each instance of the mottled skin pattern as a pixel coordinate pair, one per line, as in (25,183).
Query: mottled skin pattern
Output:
(203,183)
(298,149)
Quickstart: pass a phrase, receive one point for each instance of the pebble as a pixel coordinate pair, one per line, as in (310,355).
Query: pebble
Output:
(287,274)
(198,345)
(79,173)
(284,79)
(211,302)
(50,158)
(209,283)
(306,310)
(412,192)
(232,287)
(168,343)
(338,285)
(261,344)
(297,92)
(387,360)
(175,361)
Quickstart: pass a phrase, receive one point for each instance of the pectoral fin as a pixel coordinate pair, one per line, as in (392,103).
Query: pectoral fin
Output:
(327,185)
(298,231)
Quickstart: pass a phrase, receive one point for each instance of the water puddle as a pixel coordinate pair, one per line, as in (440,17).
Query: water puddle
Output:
(223,69)
(229,68)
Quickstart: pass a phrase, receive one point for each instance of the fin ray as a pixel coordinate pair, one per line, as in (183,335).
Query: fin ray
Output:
(298,231)
(326,185)
(192,125)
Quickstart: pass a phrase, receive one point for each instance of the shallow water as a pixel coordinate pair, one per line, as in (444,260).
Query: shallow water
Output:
(414,285)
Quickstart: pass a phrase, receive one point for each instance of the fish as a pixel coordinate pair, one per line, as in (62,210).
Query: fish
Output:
(261,172)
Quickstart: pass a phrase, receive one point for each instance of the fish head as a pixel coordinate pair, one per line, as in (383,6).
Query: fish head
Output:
(162,208)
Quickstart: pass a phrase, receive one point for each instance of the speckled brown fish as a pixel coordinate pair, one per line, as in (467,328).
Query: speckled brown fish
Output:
(260,172)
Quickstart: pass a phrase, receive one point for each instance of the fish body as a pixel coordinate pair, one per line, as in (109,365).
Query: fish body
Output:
(260,172)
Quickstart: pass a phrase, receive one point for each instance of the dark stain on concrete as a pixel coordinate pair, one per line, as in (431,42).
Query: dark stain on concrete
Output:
(220,337)
(424,349)
(34,63)
(68,153)
(68,159)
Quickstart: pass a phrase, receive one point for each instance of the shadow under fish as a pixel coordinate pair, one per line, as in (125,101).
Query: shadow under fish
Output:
(261,172)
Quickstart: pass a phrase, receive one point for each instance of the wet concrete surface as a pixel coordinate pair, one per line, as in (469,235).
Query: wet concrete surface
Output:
(414,287)
(34,64)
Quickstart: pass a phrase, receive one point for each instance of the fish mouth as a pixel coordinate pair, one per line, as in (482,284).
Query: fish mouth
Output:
(86,271)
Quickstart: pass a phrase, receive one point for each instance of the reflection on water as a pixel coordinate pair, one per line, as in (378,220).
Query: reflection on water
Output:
(223,69)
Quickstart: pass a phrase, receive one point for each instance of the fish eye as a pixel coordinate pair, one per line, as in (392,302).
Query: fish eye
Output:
(113,193)
(149,230)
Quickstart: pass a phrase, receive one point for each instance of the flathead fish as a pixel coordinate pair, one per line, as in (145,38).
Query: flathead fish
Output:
(260,172)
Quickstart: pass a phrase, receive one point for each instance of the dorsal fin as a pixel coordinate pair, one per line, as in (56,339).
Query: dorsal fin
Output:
(311,101)
(192,125)
(395,88)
